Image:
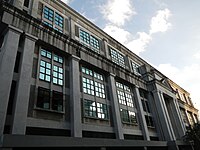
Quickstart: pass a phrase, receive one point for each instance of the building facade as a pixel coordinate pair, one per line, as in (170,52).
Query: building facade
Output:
(67,84)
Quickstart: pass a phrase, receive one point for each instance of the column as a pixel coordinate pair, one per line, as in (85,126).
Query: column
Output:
(163,116)
(141,116)
(115,107)
(23,89)
(75,98)
(177,118)
(7,63)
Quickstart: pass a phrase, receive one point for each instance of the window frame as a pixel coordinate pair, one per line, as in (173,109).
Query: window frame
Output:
(125,93)
(51,100)
(94,82)
(53,19)
(91,40)
(116,57)
(96,111)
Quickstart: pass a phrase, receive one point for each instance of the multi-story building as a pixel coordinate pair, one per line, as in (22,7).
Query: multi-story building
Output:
(65,83)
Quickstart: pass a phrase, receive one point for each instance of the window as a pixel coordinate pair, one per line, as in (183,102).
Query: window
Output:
(128,116)
(26,3)
(89,40)
(45,53)
(93,83)
(45,71)
(53,20)
(58,58)
(57,75)
(94,42)
(124,95)
(58,20)
(57,101)
(50,71)
(84,36)
(177,94)
(48,24)
(48,14)
(149,121)
(117,57)
(183,114)
(145,104)
(45,101)
(88,86)
(95,109)
(135,68)
(190,118)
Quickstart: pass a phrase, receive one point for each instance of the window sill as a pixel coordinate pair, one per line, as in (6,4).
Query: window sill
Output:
(49,110)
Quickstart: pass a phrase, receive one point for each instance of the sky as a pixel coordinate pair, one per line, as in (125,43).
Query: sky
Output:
(165,33)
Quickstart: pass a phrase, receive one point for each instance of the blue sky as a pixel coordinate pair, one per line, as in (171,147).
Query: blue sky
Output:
(165,33)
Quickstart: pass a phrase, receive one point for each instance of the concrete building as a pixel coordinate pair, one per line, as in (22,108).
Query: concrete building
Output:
(67,84)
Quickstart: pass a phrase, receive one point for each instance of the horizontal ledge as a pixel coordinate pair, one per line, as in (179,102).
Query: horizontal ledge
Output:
(9,140)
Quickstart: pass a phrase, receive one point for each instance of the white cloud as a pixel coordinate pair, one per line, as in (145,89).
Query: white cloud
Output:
(124,37)
(139,45)
(197,55)
(118,33)
(118,11)
(187,78)
(160,23)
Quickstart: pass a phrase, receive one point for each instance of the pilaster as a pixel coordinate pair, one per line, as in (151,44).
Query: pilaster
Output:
(23,88)
(141,116)
(163,116)
(75,98)
(115,108)
(7,63)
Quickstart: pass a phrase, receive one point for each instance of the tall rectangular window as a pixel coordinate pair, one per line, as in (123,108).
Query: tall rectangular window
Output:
(48,14)
(190,118)
(43,99)
(51,72)
(84,36)
(45,71)
(117,58)
(93,83)
(135,68)
(26,3)
(59,20)
(57,101)
(102,111)
(88,86)
(144,99)
(57,75)
(184,116)
(124,95)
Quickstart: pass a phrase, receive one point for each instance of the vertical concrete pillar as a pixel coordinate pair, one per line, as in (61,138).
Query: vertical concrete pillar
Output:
(141,116)
(115,108)
(177,117)
(163,116)
(23,88)
(75,98)
(7,63)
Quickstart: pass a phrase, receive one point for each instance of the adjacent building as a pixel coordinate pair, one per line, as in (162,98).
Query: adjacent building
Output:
(65,83)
